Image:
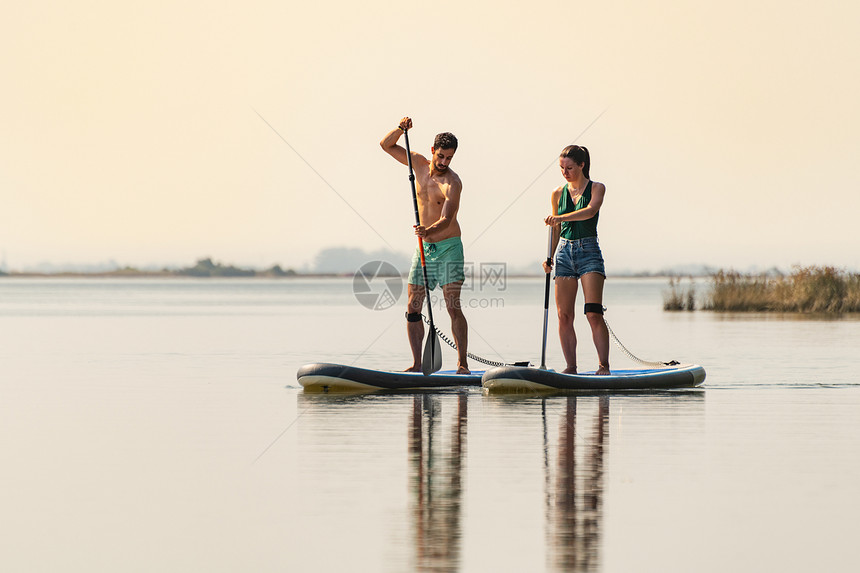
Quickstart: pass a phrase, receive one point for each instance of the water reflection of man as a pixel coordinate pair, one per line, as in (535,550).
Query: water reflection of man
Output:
(436,483)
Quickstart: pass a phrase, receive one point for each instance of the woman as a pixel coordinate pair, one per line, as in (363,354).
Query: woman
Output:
(575,208)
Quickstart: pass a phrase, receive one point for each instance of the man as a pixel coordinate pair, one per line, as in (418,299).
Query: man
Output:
(438,192)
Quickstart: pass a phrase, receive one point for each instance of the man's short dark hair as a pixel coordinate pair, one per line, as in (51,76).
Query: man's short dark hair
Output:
(445,140)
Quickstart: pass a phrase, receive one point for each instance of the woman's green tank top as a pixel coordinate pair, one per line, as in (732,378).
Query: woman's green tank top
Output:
(573,230)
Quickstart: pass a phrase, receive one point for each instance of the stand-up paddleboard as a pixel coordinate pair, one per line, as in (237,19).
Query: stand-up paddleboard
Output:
(519,379)
(323,377)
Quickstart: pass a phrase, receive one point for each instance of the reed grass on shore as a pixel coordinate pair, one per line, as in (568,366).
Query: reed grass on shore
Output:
(679,298)
(825,290)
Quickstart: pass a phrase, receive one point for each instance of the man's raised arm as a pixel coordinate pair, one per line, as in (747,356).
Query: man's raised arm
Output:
(389,142)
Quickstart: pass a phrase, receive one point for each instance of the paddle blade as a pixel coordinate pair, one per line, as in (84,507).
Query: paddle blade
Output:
(432,361)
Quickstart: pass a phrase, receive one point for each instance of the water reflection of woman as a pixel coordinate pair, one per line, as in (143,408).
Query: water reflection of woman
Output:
(577,515)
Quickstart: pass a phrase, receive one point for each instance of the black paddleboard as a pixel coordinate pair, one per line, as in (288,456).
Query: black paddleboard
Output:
(520,379)
(325,377)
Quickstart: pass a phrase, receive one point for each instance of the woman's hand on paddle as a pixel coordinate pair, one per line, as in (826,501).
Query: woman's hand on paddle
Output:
(547,267)
(406,123)
(552,220)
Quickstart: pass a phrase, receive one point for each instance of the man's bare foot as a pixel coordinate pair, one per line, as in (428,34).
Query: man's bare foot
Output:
(413,368)
(602,370)
(569,370)
(463,370)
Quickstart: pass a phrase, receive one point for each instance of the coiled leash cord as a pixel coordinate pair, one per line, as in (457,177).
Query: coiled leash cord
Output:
(632,356)
(474,357)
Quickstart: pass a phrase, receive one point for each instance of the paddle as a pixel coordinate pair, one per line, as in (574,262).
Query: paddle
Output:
(432,359)
(546,299)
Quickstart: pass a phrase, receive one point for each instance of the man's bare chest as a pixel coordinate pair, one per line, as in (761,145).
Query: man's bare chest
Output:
(432,192)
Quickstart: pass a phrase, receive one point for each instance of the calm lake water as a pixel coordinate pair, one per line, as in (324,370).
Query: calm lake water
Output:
(157,425)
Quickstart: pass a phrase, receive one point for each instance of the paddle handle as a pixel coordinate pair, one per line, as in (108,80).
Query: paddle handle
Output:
(415,204)
(546,299)
(412,180)
(549,264)
(417,216)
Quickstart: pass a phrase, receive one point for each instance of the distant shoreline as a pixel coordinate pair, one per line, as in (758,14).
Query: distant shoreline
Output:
(207,268)
(324,268)
(169,274)
(262,275)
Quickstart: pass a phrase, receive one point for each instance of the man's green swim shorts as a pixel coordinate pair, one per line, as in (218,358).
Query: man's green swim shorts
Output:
(445,263)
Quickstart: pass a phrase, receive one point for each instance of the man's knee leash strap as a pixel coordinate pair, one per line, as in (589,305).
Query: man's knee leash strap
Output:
(594,307)
(413,317)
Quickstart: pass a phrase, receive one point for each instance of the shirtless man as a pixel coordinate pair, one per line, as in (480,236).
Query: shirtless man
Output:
(438,193)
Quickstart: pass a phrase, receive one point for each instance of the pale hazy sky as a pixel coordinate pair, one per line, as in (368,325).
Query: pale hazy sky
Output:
(727,133)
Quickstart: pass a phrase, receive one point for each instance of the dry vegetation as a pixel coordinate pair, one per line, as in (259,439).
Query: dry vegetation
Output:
(806,290)
(678,297)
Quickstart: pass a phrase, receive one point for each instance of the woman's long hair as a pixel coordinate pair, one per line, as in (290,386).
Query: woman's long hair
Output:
(579,155)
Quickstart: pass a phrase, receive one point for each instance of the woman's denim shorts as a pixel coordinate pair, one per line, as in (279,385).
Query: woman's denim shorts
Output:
(574,258)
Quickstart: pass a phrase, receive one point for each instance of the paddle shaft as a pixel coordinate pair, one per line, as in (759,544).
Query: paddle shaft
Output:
(546,300)
(420,241)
